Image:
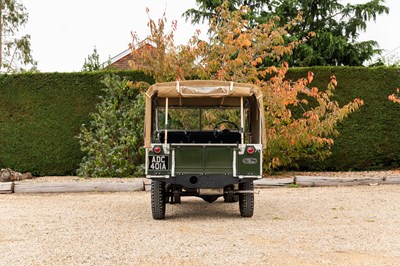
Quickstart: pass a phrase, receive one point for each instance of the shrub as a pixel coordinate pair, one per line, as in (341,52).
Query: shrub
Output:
(368,139)
(41,115)
(112,142)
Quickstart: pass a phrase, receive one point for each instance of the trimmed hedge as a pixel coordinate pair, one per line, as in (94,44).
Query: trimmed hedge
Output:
(369,138)
(41,115)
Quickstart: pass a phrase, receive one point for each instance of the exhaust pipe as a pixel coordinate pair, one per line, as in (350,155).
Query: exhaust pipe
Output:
(220,191)
(246,192)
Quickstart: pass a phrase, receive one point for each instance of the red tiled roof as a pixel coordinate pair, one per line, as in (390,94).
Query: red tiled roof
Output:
(121,61)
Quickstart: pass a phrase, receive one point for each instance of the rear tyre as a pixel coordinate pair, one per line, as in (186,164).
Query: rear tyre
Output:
(158,199)
(246,201)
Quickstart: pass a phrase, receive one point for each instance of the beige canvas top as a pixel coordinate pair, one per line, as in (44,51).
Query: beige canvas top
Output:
(202,93)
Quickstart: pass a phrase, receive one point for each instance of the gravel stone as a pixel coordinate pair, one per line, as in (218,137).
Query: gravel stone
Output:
(291,226)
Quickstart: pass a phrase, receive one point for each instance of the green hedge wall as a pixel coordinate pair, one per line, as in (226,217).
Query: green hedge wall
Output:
(41,115)
(370,138)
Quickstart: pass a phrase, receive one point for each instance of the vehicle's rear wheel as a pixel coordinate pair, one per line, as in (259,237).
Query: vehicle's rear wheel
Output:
(158,199)
(246,200)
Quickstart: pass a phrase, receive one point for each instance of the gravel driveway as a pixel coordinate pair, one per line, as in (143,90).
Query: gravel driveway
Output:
(291,226)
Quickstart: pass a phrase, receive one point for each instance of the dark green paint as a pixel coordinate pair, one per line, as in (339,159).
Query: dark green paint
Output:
(248,169)
(204,159)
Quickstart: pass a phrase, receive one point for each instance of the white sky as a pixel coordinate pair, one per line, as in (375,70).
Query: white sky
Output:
(64,32)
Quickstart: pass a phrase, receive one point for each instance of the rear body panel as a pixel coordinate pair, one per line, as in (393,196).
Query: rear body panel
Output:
(203,159)
(204,165)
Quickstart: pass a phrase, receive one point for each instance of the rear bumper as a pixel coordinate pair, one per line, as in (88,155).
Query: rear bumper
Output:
(204,181)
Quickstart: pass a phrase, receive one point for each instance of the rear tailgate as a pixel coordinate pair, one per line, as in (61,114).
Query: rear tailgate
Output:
(204,158)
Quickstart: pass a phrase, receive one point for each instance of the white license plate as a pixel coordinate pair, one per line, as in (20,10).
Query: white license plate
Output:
(158,162)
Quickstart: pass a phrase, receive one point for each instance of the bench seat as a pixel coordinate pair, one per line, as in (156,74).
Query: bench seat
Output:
(200,137)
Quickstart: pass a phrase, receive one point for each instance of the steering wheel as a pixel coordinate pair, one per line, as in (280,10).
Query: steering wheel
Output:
(217,131)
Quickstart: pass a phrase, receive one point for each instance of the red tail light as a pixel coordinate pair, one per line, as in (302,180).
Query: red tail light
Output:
(157,149)
(251,150)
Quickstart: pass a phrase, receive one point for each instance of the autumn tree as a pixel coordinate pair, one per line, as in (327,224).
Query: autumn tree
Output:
(15,50)
(235,51)
(336,26)
(158,55)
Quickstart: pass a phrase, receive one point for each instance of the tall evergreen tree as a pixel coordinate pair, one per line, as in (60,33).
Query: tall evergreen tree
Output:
(336,26)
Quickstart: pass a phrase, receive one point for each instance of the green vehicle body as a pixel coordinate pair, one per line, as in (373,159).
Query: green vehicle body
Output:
(204,162)
(205,165)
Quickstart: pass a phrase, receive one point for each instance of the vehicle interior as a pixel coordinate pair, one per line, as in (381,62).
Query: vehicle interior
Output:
(210,112)
(221,127)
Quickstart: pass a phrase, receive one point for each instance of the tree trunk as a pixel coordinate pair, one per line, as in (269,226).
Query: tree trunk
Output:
(320,181)
(78,187)
(6,188)
(7,175)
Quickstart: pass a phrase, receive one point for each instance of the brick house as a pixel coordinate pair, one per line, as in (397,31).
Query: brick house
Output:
(121,61)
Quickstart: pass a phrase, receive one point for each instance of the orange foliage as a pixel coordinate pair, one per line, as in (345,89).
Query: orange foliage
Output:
(394,98)
(237,52)
(310,76)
